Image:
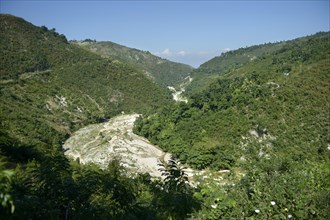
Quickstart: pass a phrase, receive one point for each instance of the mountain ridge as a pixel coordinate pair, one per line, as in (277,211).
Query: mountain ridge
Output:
(162,71)
(232,60)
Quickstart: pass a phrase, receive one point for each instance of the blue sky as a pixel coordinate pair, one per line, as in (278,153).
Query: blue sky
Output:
(191,32)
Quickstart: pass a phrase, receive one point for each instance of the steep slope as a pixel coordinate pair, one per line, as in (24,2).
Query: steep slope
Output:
(50,87)
(233,60)
(162,71)
(267,120)
(256,96)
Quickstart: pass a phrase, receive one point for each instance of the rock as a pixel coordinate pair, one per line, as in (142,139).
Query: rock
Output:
(100,143)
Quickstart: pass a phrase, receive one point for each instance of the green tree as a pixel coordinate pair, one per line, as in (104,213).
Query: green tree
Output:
(6,199)
(174,195)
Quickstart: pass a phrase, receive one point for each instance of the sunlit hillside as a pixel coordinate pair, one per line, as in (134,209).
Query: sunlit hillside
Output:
(88,130)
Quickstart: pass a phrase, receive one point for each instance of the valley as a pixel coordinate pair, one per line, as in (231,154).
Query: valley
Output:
(98,130)
(178,92)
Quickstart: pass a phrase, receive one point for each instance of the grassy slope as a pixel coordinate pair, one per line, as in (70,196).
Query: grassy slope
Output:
(162,71)
(50,87)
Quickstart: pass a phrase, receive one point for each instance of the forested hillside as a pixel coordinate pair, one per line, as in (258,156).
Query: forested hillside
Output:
(49,86)
(266,119)
(232,60)
(256,125)
(48,89)
(162,71)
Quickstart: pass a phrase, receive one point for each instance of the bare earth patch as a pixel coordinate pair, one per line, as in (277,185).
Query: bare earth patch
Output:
(100,143)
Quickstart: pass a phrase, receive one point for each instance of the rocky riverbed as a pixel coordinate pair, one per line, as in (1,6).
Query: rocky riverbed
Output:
(100,143)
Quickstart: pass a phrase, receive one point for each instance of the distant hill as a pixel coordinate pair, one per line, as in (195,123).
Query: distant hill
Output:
(236,59)
(162,71)
(50,87)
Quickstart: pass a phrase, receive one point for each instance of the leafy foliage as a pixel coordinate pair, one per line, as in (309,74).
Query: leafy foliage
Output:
(6,199)
(267,191)
(174,196)
(267,118)
(51,186)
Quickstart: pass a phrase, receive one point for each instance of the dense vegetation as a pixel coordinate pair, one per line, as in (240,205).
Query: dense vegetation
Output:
(232,60)
(48,89)
(162,71)
(268,120)
(265,119)
(51,187)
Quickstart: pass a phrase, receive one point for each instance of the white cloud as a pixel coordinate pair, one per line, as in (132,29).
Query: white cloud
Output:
(182,53)
(193,58)
(226,49)
(202,53)
(166,52)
